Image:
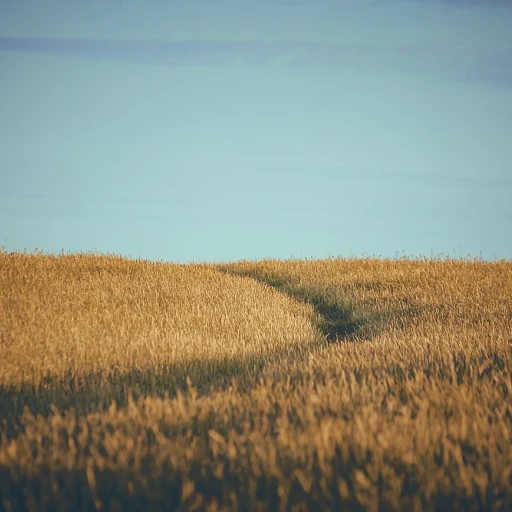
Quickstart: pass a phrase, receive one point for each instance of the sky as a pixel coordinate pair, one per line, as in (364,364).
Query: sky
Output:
(220,130)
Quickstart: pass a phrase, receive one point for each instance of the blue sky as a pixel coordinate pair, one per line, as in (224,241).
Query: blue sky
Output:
(220,130)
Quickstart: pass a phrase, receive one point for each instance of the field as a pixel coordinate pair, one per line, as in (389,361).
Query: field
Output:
(358,384)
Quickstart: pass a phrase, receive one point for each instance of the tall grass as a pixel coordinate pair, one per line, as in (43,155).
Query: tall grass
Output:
(78,325)
(359,383)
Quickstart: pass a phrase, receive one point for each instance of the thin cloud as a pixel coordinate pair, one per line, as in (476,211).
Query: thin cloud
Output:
(462,3)
(407,178)
(469,64)
(193,52)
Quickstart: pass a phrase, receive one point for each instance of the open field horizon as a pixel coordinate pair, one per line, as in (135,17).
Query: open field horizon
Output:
(360,383)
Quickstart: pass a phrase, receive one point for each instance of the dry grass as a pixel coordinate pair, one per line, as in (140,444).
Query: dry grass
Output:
(405,405)
(108,323)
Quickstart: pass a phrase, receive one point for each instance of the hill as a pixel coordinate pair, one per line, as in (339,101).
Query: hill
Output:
(284,385)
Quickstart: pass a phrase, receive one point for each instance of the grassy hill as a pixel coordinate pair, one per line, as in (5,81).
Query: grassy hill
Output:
(274,385)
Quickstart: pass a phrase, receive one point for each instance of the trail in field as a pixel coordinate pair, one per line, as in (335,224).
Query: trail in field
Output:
(340,320)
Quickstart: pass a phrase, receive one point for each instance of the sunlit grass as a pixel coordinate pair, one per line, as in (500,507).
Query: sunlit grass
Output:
(72,316)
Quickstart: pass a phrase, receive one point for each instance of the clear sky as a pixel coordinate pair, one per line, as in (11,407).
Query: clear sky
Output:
(220,130)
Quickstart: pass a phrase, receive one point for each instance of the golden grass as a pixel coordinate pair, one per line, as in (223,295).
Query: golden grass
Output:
(72,315)
(408,407)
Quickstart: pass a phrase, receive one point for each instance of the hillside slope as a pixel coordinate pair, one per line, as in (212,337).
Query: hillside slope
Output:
(86,323)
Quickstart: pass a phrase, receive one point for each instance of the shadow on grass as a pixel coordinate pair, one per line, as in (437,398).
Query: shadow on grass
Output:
(95,391)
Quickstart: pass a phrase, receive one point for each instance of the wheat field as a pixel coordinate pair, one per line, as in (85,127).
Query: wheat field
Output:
(357,384)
